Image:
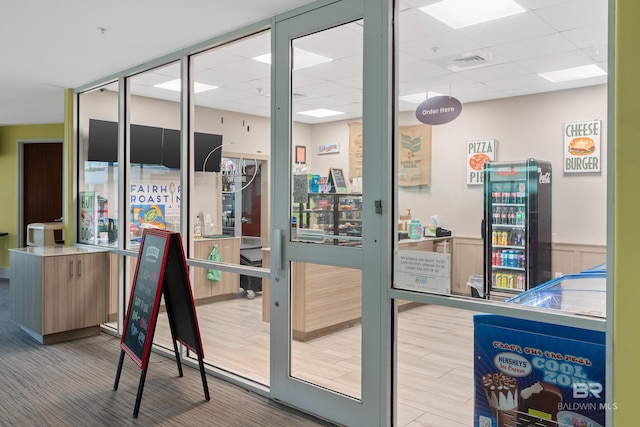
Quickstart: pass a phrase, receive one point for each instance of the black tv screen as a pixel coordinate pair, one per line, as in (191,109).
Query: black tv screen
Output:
(207,152)
(103,141)
(171,148)
(146,145)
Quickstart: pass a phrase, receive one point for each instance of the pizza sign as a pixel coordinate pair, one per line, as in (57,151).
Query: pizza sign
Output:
(478,153)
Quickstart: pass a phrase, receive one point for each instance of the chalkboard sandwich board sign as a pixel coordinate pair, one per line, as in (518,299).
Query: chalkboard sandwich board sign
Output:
(337,180)
(161,268)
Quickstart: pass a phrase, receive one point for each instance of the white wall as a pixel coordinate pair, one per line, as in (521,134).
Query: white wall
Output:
(525,127)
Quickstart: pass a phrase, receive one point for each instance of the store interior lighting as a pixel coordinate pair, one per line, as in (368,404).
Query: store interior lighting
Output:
(321,112)
(417,98)
(176,85)
(463,13)
(301,59)
(575,73)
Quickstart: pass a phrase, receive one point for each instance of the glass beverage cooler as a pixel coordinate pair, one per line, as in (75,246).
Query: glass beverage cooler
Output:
(516,225)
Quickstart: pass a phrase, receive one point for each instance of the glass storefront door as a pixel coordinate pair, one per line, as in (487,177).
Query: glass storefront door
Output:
(316,291)
(327,236)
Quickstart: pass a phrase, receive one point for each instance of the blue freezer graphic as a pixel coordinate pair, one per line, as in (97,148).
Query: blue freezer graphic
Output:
(537,374)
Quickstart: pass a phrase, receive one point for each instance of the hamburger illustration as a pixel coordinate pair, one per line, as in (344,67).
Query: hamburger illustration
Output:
(582,146)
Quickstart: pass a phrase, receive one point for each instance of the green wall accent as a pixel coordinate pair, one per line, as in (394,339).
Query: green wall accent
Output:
(9,137)
(626,299)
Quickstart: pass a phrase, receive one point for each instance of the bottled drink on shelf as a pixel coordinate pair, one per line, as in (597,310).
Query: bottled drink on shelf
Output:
(511,219)
(506,192)
(496,193)
(521,192)
(504,216)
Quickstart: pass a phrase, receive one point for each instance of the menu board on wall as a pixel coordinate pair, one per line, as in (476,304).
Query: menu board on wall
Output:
(355,150)
(478,153)
(582,146)
(414,154)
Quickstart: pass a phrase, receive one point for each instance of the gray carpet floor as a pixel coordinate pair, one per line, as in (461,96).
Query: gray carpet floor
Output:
(71,384)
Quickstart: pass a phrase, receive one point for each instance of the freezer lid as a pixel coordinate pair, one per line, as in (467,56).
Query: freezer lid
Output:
(583,293)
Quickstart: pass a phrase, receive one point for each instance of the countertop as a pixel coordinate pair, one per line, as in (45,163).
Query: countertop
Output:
(57,250)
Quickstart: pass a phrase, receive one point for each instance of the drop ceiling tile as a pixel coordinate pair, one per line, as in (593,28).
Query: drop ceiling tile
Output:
(538,4)
(420,71)
(525,81)
(415,24)
(440,45)
(574,14)
(532,48)
(510,29)
(589,36)
(502,71)
(555,62)
(334,43)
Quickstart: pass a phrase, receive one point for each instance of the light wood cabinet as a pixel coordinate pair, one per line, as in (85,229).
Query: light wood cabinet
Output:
(204,290)
(58,293)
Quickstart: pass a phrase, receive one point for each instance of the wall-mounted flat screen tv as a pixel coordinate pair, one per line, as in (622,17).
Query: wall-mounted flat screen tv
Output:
(146,145)
(207,152)
(103,141)
(171,148)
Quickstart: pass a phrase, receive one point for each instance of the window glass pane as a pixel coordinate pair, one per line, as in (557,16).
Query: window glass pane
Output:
(154,168)
(487,151)
(98,157)
(229,202)
(98,185)
(326,143)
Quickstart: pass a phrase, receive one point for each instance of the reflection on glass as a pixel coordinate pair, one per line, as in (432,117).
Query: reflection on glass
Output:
(229,202)
(326,308)
(435,364)
(98,186)
(98,176)
(154,152)
(326,102)
(154,170)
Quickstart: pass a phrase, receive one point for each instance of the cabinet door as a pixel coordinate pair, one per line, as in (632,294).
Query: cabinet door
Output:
(59,296)
(91,277)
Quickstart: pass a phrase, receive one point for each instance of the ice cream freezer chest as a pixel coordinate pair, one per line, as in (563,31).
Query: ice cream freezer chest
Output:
(530,373)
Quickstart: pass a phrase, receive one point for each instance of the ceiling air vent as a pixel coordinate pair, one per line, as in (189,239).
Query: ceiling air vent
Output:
(469,61)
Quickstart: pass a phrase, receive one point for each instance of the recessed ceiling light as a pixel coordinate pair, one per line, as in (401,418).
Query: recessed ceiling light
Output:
(575,73)
(176,85)
(417,98)
(462,13)
(301,59)
(321,112)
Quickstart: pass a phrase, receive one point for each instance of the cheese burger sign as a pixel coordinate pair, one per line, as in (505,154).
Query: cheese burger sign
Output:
(582,146)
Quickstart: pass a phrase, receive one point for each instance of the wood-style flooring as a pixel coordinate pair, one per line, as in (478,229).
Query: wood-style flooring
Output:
(435,357)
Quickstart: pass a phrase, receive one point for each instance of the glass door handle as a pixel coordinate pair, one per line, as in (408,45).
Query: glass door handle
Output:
(276,248)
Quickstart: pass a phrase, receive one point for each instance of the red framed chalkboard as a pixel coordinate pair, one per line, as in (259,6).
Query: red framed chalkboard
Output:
(144,302)
(161,269)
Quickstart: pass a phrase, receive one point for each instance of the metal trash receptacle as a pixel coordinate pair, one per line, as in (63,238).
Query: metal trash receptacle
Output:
(252,256)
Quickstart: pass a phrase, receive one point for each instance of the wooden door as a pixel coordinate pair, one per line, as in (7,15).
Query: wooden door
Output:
(42,184)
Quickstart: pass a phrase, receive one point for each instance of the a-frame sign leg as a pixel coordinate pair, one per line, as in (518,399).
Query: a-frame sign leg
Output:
(117,381)
(203,374)
(136,409)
